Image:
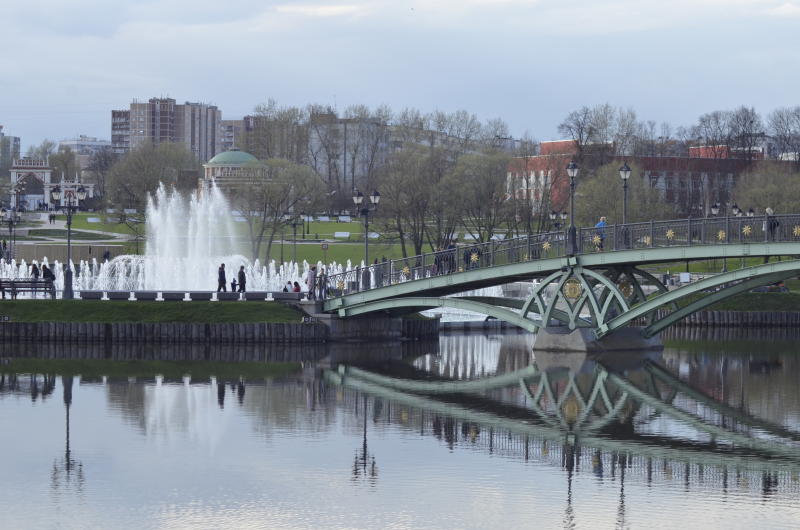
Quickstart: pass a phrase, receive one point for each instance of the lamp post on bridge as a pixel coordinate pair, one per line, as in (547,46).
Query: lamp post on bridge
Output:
(364,210)
(73,200)
(625,174)
(572,243)
(295,222)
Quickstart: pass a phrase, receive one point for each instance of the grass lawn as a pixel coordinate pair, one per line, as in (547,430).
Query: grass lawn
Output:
(709,266)
(753,302)
(62,234)
(79,221)
(199,370)
(107,311)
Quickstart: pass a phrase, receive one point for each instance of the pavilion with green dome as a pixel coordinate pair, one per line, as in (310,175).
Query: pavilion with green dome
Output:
(233,169)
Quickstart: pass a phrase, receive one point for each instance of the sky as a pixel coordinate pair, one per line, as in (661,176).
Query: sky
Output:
(66,65)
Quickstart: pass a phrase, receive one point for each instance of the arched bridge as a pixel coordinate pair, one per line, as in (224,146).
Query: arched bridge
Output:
(604,286)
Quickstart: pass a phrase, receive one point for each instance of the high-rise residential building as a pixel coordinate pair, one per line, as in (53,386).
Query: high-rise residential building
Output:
(121,131)
(230,132)
(163,120)
(9,150)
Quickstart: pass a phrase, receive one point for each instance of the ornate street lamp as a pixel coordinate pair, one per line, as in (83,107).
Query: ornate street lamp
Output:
(735,210)
(625,174)
(572,243)
(72,202)
(715,209)
(553,216)
(295,222)
(364,210)
(751,213)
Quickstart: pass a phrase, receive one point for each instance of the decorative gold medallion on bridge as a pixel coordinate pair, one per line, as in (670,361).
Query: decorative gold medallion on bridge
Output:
(406,270)
(670,234)
(572,289)
(796,231)
(596,240)
(474,257)
(625,288)
(647,240)
(546,245)
(747,230)
(721,235)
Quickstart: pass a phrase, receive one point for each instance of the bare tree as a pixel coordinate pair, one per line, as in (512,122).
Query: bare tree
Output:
(784,125)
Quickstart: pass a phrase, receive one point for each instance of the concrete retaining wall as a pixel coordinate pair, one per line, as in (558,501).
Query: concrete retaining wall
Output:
(162,333)
(232,333)
(736,319)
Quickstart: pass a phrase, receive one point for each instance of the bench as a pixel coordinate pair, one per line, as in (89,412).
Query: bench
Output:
(118,295)
(173,296)
(14,287)
(280,295)
(145,296)
(91,295)
(259,296)
(227,297)
(200,296)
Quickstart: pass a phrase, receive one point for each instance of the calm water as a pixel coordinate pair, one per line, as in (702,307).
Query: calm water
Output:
(705,434)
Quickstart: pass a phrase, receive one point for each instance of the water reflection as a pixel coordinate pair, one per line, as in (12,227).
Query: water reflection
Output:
(612,428)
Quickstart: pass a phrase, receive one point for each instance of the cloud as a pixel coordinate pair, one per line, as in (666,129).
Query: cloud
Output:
(787,9)
(313,10)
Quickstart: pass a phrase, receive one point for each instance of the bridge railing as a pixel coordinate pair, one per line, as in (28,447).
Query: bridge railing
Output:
(467,257)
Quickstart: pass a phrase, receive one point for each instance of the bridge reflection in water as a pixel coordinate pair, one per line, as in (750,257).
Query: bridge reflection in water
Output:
(615,417)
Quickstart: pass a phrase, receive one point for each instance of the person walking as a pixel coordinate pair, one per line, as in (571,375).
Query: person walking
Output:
(772,224)
(242,280)
(323,284)
(221,280)
(601,233)
(311,283)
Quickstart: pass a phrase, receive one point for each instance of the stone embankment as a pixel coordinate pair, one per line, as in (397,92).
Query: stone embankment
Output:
(226,333)
(737,319)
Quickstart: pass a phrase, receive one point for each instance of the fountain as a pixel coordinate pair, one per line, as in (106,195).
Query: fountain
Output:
(187,239)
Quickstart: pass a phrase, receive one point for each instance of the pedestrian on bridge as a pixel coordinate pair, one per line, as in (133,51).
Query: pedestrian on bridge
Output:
(772,224)
(601,233)
(311,283)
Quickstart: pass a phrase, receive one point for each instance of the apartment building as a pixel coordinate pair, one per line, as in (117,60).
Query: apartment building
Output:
(160,120)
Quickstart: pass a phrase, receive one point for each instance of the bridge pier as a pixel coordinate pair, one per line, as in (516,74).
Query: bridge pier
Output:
(563,339)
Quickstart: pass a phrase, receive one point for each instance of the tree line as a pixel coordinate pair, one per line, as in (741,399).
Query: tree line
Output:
(443,174)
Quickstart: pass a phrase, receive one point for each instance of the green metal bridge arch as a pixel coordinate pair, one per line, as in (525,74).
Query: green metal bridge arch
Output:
(603,291)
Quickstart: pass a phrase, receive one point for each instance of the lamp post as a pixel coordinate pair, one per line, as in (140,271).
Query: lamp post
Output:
(364,210)
(553,217)
(295,223)
(625,174)
(72,201)
(572,243)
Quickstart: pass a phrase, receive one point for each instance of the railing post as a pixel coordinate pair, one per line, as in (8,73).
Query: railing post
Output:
(689,231)
(727,229)
(652,233)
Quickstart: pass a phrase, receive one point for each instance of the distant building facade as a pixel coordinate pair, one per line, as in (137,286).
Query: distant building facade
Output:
(84,147)
(232,170)
(9,150)
(230,133)
(160,120)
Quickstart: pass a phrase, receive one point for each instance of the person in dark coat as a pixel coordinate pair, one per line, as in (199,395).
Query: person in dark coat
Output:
(34,272)
(772,224)
(221,279)
(242,280)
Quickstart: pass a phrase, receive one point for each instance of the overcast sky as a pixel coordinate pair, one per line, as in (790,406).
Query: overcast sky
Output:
(65,65)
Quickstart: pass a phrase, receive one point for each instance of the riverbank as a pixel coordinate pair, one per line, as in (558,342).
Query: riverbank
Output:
(107,312)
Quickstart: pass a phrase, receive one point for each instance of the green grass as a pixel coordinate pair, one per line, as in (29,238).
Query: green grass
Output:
(79,221)
(710,266)
(62,234)
(752,302)
(199,370)
(107,311)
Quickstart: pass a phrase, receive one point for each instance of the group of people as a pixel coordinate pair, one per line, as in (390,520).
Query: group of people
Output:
(51,218)
(315,284)
(222,281)
(45,273)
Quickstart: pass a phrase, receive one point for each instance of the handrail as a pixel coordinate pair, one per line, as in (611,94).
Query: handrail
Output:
(630,236)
